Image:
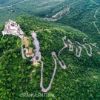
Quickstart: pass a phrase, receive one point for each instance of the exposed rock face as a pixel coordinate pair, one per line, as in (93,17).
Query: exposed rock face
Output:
(37,54)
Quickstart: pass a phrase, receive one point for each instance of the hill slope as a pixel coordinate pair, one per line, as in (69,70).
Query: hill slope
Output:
(85,16)
(82,15)
(13,8)
(81,79)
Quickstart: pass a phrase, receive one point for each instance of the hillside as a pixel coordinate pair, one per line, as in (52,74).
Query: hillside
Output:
(81,14)
(81,79)
(85,16)
(14,8)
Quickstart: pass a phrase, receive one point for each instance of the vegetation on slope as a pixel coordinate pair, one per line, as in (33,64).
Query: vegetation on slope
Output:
(83,15)
(81,79)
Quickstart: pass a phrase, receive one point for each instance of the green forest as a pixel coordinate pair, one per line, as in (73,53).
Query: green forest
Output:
(80,80)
